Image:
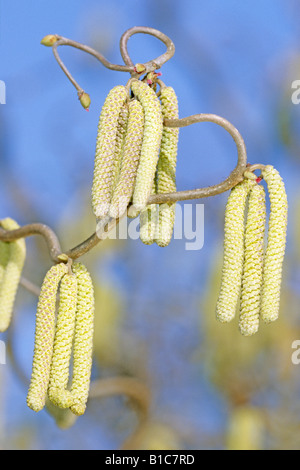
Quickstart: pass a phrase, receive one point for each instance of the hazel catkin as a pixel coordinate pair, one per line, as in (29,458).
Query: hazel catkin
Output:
(275,250)
(150,147)
(104,168)
(130,160)
(63,341)
(253,262)
(44,337)
(83,340)
(233,258)
(166,167)
(12,258)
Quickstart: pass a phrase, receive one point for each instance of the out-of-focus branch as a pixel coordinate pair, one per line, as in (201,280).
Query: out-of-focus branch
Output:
(135,390)
(30,286)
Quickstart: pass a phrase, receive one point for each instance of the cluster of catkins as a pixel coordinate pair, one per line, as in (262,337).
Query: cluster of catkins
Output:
(249,274)
(136,157)
(56,336)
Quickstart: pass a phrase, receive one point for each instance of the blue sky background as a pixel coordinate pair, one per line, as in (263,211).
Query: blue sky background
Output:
(236,59)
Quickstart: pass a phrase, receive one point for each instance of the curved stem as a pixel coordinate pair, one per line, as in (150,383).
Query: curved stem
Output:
(34,229)
(235,177)
(152,64)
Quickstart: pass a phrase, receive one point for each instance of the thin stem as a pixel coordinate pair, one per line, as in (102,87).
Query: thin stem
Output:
(133,389)
(150,66)
(235,177)
(30,286)
(35,229)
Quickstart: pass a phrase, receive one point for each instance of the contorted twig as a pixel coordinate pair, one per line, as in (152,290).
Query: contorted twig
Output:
(235,177)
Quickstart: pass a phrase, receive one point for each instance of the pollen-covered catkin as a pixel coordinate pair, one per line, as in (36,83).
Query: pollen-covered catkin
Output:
(44,337)
(12,261)
(105,150)
(166,168)
(276,244)
(83,341)
(63,341)
(233,258)
(120,139)
(148,221)
(253,263)
(130,160)
(4,255)
(150,146)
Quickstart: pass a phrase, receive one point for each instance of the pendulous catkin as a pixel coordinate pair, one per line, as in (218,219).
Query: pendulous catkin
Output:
(253,262)
(83,340)
(44,337)
(276,245)
(130,160)
(233,259)
(119,145)
(104,168)
(63,341)
(150,147)
(148,221)
(166,167)
(12,258)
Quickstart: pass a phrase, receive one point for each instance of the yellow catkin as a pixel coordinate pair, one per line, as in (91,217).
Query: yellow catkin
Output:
(253,263)
(62,349)
(12,261)
(64,418)
(233,251)
(150,146)
(276,245)
(148,221)
(83,341)
(44,337)
(166,168)
(105,150)
(4,255)
(131,155)
(119,146)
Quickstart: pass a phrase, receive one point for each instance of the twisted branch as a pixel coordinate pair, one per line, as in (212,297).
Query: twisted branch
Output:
(233,179)
(149,66)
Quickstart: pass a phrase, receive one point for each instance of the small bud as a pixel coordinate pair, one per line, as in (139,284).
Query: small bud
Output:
(85,100)
(139,68)
(49,40)
(63,257)
(258,180)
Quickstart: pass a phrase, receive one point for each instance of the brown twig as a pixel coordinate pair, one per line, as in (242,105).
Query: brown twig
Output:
(149,66)
(233,179)
(34,229)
